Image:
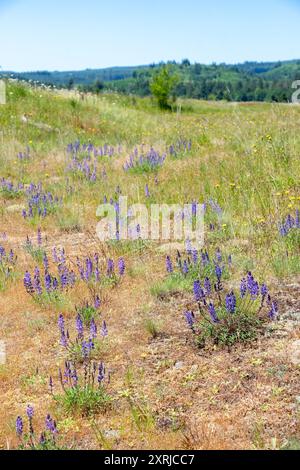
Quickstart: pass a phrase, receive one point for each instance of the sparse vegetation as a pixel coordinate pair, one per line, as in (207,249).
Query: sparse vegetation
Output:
(229,379)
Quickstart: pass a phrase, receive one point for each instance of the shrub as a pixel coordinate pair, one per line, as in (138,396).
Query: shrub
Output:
(87,395)
(233,318)
(163,85)
(86,344)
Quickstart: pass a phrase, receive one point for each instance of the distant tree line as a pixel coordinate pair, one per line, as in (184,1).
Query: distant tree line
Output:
(251,81)
(220,82)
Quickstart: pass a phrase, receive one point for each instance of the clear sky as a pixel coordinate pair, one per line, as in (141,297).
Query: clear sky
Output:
(73,35)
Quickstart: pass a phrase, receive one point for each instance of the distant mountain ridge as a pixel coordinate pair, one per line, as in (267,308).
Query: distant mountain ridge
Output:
(87,76)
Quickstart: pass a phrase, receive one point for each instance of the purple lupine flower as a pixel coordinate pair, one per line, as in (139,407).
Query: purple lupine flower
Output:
(29,412)
(63,339)
(213,313)
(101,373)
(97,302)
(190,319)
(110,267)
(50,425)
(264,292)
(47,281)
(55,284)
(39,237)
(169,265)
(88,269)
(205,258)
(207,286)
(46,262)
(28,283)
(185,268)
(274,311)
(79,326)
(250,281)
(230,303)
(67,371)
(61,323)
(121,266)
(74,377)
(219,272)
(243,288)
(37,281)
(297,220)
(219,256)
(195,256)
(97,274)
(254,290)
(93,329)
(194,208)
(147,192)
(64,279)
(11,256)
(104,330)
(19,426)
(86,348)
(54,255)
(198,292)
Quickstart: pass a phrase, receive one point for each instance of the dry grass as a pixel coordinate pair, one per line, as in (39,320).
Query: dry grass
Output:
(167,393)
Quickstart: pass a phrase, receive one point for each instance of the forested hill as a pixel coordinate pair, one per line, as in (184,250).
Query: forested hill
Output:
(250,81)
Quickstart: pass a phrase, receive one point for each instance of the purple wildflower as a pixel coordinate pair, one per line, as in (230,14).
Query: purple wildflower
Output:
(169,265)
(101,373)
(37,281)
(30,412)
(274,311)
(93,329)
(243,288)
(195,256)
(97,302)
(28,283)
(185,268)
(121,266)
(110,267)
(61,323)
(79,326)
(264,292)
(207,286)
(218,271)
(50,425)
(230,303)
(198,292)
(190,319)
(104,330)
(19,426)
(213,313)
(39,237)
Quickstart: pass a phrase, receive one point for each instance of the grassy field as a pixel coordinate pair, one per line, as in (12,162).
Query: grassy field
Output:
(162,387)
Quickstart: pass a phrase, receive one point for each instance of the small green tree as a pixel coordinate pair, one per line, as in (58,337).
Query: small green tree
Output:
(163,85)
(98,86)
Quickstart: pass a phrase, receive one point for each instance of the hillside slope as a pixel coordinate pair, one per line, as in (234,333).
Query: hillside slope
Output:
(166,385)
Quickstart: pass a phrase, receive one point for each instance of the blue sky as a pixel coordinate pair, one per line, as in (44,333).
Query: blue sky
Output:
(68,35)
